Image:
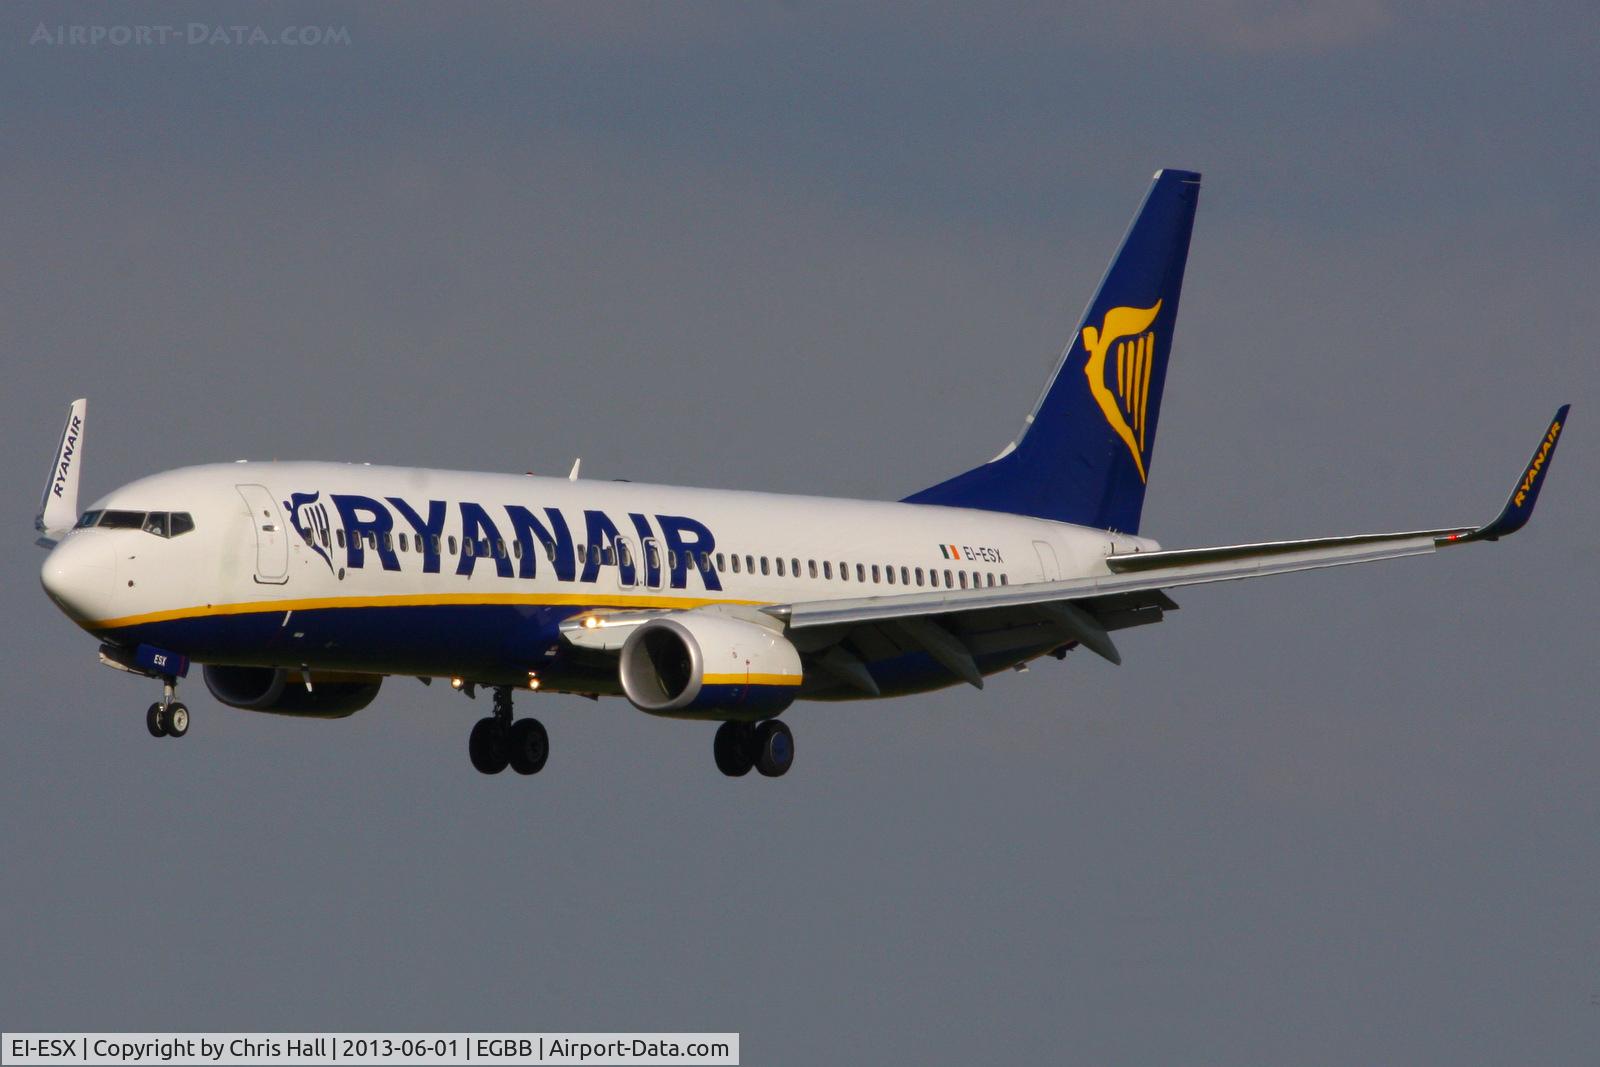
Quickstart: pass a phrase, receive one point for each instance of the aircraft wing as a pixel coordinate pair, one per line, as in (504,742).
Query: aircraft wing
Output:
(1086,608)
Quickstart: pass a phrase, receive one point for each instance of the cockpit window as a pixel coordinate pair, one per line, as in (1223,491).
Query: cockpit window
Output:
(160,523)
(121,520)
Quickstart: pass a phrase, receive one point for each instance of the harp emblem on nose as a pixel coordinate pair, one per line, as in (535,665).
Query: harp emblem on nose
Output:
(1119,376)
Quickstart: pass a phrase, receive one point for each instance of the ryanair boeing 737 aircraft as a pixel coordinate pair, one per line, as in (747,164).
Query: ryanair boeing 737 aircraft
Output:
(301,587)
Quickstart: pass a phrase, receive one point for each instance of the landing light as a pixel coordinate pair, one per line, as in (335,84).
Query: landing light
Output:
(457,683)
(590,623)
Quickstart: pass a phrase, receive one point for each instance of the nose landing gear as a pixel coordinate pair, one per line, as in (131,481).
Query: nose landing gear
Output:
(497,742)
(167,717)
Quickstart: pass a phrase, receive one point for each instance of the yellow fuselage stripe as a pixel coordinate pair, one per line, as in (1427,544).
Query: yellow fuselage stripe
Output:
(410,600)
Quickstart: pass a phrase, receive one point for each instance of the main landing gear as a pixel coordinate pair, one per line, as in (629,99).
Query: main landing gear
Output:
(167,717)
(496,742)
(768,747)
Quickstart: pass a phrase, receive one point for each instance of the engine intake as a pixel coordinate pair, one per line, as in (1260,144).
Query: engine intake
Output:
(695,666)
(275,690)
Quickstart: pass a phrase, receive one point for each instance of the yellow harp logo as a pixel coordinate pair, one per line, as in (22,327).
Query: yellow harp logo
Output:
(1125,408)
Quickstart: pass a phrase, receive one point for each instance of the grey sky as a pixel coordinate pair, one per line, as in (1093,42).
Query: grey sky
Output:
(1347,817)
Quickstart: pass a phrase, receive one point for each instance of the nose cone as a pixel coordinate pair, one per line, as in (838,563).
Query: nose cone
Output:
(79,574)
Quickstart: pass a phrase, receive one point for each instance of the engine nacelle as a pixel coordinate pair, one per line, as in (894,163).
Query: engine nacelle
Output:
(275,690)
(708,666)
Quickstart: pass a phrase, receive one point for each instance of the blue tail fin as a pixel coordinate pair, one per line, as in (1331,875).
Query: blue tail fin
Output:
(1084,452)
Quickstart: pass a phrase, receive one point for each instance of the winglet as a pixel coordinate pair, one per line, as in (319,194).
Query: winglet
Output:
(58,510)
(1519,505)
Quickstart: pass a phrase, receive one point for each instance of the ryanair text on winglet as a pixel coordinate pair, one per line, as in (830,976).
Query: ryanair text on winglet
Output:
(1537,466)
(69,448)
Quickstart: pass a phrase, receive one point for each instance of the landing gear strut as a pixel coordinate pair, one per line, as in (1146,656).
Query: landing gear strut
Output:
(497,742)
(167,717)
(768,747)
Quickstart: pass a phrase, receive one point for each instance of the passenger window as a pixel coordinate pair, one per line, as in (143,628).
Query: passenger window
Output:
(874,574)
(516,549)
(988,580)
(388,543)
(764,569)
(609,556)
(811,568)
(580,550)
(622,555)
(905,577)
(500,547)
(963,579)
(861,572)
(919,576)
(1003,580)
(435,544)
(736,564)
(705,561)
(452,544)
(469,548)
(794,567)
(827,568)
(182,524)
(550,552)
(339,535)
(156,523)
(889,574)
(405,543)
(949,583)
(672,559)
(749,564)
(780,566)
(722,562)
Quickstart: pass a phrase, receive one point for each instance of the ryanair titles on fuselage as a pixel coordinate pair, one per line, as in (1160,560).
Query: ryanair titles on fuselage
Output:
(490,537)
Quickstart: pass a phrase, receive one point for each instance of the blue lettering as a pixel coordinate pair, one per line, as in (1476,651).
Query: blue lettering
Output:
(480,537)
(377,521)
(694,552)
(603,536)
(556,546)
(430,533)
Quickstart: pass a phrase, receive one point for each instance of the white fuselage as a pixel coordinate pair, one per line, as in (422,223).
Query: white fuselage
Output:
(333,566)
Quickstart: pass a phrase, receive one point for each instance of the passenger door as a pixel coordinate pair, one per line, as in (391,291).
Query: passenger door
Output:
(1049,569)
(272,540)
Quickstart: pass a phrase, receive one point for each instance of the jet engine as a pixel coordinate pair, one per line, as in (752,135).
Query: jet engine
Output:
(275,690)
(709,666)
